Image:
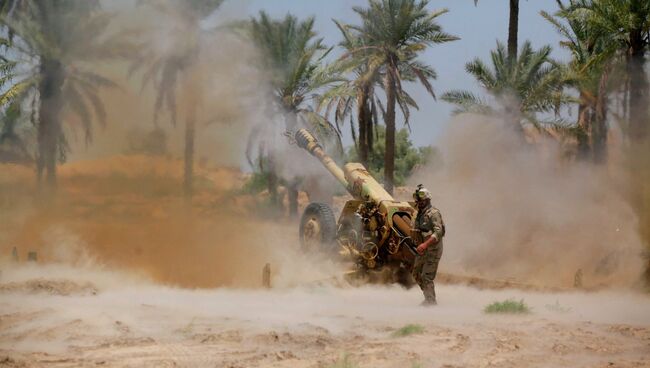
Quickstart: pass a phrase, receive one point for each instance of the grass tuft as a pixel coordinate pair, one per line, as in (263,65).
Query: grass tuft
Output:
(508,306)
(558,308)
(407,330)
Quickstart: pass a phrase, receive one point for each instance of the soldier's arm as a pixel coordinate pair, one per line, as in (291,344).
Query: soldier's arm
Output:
(433,236)
(437,226)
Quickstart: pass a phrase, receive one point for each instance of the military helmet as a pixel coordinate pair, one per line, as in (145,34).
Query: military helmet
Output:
(421,193)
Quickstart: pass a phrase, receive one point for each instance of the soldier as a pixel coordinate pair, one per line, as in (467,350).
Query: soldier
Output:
(428,231)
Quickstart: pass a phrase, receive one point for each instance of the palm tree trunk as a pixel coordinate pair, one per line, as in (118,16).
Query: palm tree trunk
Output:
(188,171)
(272,182)
(584,127)
(513,30)
(193,98)
(625,103)
(49,121)
(639,95)
(353,132)
(292,197)
(599,129)
(362,118)
(389,156)
(371,134)
(372,126)
(369,127)
(292,185)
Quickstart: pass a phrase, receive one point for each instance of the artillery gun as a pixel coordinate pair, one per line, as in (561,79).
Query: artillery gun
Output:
(373,229)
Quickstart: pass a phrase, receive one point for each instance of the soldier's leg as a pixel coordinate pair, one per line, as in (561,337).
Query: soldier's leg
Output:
(417,270)
(429,271)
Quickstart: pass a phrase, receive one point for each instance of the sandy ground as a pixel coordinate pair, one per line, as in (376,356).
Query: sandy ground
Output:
(74,309)
(115,320)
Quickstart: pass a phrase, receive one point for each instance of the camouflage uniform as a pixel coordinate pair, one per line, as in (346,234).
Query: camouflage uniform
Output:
(428,222)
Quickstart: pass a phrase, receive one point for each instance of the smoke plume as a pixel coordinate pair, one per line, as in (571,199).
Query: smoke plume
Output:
(515,210)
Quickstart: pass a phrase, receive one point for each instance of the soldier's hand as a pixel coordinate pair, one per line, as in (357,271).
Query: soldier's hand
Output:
(432,240)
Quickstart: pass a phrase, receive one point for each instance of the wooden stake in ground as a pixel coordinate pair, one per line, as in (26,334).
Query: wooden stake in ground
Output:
(266,276)
(577,279)
(32,257)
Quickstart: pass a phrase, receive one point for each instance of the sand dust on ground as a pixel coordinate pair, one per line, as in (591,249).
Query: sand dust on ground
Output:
(116,320)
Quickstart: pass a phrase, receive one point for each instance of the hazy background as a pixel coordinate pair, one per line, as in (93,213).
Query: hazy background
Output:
(479,27)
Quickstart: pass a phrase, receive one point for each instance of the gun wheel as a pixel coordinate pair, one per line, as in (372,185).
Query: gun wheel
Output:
(317,228)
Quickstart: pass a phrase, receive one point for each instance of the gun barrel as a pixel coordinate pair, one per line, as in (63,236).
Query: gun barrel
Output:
(308,142)
(403,224)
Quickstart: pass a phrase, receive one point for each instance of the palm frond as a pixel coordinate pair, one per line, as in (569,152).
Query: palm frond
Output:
(16,90)
(467,102)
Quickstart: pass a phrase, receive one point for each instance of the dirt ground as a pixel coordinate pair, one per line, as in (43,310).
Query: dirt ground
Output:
(127,278)
(115,320)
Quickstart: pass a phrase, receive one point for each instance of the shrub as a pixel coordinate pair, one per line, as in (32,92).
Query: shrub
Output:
(257,182)
(508,306)
(408,330)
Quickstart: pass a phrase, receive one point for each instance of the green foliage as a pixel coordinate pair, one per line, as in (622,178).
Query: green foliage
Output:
(393,34)
(407,157)
(73,32)
(291,51)
(256,183)
(51,46)
(410,329)
(589,47)
(359,90)
(294,54)
(15,134)
(532,84)
(508,306)
(617,20)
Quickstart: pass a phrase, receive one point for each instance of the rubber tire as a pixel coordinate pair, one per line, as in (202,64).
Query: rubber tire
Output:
(325,217)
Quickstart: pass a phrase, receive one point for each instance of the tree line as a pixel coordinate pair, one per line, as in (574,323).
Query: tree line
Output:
(51,49)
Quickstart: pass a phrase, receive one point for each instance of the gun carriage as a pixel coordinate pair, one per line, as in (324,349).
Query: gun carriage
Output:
(374,229)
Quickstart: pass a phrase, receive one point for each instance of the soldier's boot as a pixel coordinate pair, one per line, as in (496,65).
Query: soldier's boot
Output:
(429,295)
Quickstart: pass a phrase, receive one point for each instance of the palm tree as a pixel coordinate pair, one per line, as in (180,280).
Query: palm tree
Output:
(394,33)
(293,55)
(627,22)
(588,72)
(50,47)
(359,92)
(532,85)
(13,146)
(171,68)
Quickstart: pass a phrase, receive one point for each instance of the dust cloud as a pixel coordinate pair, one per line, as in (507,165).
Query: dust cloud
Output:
(130,274)
(516,210)
(125,214)
(132,322)
(119,204)
(227,97)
